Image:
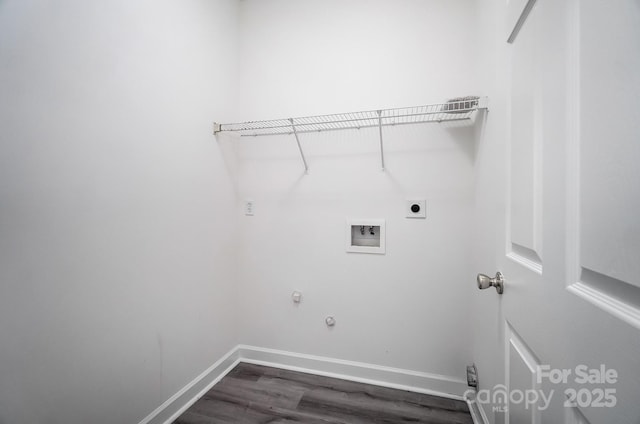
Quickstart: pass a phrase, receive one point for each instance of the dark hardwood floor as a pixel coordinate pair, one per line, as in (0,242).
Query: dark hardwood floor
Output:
(256,394)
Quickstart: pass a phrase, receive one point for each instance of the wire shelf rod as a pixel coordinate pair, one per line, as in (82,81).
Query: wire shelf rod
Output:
(341,121)
(394,124)
(355,117)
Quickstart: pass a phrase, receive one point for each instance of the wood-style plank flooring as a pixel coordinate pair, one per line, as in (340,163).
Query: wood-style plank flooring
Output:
(255,394)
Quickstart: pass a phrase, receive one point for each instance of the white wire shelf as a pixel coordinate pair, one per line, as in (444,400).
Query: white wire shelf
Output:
(455,110)
(458,109)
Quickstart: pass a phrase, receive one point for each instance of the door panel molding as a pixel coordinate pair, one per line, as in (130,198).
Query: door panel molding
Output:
(525,154)
(611,304)
(573,142)
(602,265)
(525,257)
(521,371)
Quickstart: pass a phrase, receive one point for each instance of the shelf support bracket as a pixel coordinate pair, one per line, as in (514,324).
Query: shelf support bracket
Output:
(381,145)
(295,133)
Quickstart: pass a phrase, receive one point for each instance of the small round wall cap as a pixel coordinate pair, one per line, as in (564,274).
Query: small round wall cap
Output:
(296,296)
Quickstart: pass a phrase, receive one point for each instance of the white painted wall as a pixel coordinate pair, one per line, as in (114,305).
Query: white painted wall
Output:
(310,57)
(117,213)
(408,308)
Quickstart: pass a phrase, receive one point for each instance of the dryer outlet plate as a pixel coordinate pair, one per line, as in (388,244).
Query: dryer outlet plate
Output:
(416,209)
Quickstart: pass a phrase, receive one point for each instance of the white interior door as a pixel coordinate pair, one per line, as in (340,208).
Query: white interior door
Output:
(564,338)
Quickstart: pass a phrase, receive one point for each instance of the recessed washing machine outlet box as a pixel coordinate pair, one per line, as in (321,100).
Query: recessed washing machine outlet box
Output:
(416,209)
(366,236)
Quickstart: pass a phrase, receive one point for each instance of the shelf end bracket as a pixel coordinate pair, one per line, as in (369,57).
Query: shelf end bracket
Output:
(483,103)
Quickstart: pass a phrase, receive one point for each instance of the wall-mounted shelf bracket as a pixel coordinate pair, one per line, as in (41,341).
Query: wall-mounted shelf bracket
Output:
(381,145)
(295,133)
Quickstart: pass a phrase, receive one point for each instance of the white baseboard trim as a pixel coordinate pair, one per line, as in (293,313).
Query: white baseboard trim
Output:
(395,378)
(477,412)
(173,407)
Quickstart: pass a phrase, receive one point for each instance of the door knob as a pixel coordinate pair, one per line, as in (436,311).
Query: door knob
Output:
(484,282)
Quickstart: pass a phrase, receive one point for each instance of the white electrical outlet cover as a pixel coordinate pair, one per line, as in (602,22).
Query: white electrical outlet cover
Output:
(248,207)
(416,209)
